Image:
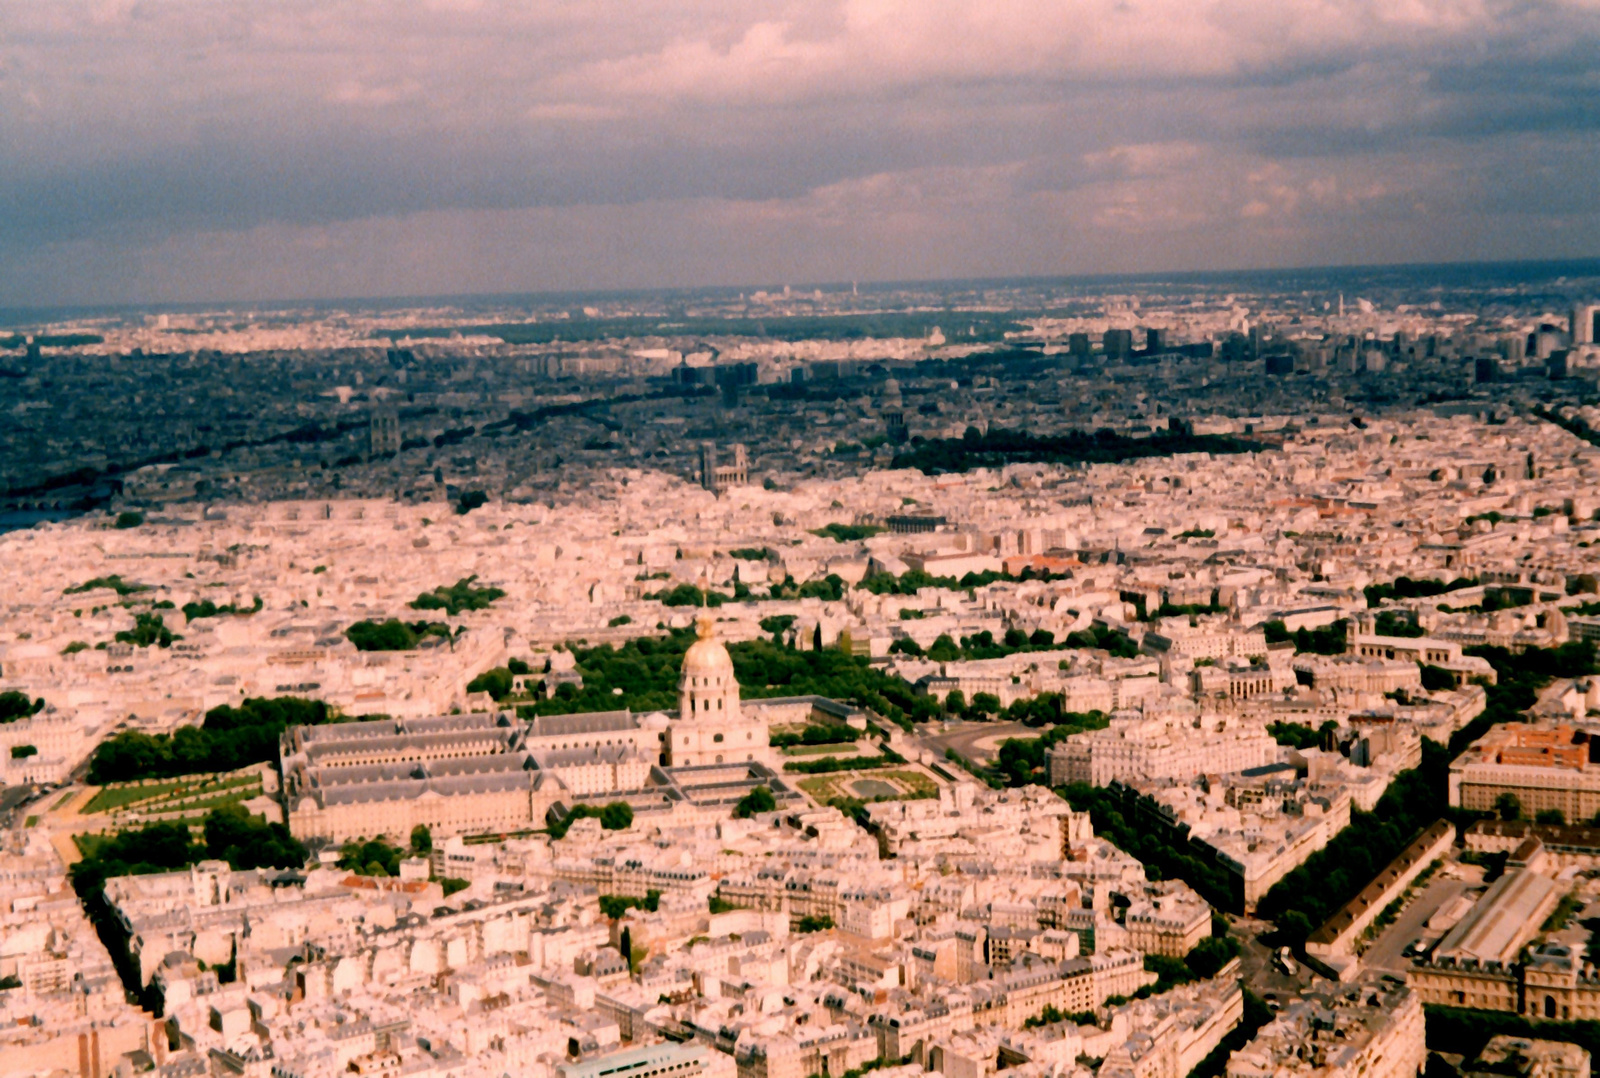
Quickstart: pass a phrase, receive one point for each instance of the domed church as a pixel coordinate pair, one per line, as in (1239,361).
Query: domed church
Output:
(493,772)
(711,728)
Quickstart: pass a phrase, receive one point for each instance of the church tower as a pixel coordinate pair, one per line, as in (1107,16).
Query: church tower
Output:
(711,728)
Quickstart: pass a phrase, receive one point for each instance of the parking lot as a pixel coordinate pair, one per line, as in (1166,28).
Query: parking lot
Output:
(1387,951)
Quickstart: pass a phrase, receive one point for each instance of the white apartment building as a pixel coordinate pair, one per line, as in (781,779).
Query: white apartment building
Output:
(1157,748)
(1171,921)
(1372,1029)
(57,740)
(1168,1035)
(1358,673)
(1426,650)
(1207,638)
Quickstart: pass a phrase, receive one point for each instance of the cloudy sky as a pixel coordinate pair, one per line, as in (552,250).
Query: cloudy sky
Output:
(212,150)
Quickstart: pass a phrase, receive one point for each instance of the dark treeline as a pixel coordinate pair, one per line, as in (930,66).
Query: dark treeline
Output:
(817,734)
(464,594)
(205,608)
(1404,587)
(828,765)
(230,834)
(914,580)
(104,479)
(1464,1032)
(999,447)
(1329,878)
(227,739)
(1323,640)
(1163,857)
(52,340)
(1574,425)
(983,645)
(394,634)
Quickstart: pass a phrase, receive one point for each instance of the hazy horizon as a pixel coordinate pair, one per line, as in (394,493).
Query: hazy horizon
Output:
(1586,270)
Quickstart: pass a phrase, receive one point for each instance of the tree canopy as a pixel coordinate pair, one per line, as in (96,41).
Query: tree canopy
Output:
(230,833)
(393,634)
(374,857)
(613,816)
(1404,587)
(689,595)
(1323,640)
(247,841)
(757,801)
(999,447)
(1024,760)
(15,705)
(147,629)
(462,595)
(646,670)
(114,582)
(227,739)
(847,533)
(205,608)
(1297,736)
(615,906)
(497,681)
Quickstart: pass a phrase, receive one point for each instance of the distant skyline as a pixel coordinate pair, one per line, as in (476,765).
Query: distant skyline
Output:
(213,151)
(1556,282)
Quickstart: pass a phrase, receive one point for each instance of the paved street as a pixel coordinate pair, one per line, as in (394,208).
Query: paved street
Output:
(977,741)
(1261,974)
(1385,951)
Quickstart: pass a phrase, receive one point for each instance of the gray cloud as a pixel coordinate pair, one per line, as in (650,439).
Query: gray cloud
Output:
(270,148)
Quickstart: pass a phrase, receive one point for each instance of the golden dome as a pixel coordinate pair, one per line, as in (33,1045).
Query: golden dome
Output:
(707,657)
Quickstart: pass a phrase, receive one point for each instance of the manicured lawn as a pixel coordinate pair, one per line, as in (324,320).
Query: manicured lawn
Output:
(918,784)
(115,797)
(150,797)
(207,804)
(821,750)
(87,844)
(819,787)
(912,785)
